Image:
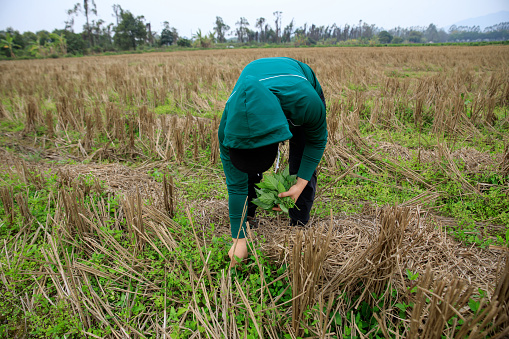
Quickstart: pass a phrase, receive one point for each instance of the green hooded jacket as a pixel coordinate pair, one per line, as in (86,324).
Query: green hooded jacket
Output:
(271,96)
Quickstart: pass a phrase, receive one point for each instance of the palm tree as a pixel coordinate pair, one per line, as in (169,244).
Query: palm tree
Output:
(8,42)
(60,42)
(36,49)
(201,39)
(212,37)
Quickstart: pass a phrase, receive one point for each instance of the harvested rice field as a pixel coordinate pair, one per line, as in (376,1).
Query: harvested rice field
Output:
(114,209)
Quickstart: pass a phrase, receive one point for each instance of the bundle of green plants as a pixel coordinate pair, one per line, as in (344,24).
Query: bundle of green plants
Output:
(268,190)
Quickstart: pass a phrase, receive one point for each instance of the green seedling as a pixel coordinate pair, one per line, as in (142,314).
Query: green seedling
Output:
(268,190)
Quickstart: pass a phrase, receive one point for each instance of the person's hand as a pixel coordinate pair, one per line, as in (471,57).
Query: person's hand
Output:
(240,251)
(294,192)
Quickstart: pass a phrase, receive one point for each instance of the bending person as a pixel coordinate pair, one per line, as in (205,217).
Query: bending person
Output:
(274,99)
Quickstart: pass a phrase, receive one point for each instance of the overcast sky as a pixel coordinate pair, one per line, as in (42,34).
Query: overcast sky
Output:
(189,15)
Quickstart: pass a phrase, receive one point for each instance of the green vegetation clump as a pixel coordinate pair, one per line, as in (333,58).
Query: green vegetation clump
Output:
(271,186)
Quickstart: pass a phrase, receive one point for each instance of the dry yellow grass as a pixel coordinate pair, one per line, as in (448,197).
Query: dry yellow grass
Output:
(162,109)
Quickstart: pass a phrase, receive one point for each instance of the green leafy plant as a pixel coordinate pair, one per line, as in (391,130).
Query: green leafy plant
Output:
(271,186)
(412,276)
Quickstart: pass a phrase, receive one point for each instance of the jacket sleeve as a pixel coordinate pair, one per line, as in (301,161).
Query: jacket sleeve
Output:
(304,107)
(315,127)
(237,185)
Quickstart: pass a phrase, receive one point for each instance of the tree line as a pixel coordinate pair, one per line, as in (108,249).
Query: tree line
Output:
(132,32)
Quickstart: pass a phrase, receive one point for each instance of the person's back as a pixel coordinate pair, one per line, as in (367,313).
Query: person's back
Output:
(274,99)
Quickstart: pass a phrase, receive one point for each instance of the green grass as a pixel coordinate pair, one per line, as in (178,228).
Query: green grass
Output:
(11,126)
(480,219)
(53,318)
(177,293)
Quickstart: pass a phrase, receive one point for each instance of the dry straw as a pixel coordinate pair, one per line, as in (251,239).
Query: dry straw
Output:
(448,299)
(110,103)
(308,253)
(371,250)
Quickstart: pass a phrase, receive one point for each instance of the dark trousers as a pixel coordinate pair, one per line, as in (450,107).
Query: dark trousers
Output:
(299,215)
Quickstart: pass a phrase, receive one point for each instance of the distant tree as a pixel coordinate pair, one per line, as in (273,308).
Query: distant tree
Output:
(75,43)
(117,13)
(18,39)
(277,14)
(301,31)
(102,35)
(36,46)
(384,37)
(36,50)
(415,36)
(242,30)
(346,32)
(314,33)
(96,29)
(169,35)
(287,32)
(89,8)
(150,35)
(71,13)
(336,33)
(183,42)
(212,37)
(221,28)
(503,26)
(201,39)
(130,32)
(397,40)
(466,33)
(59,43)
(497,32)
(250,35)
(42,37)
(367,31)
(398,32)
(474,33)
(259,24)
(442,35)
(8,43)
(106,36)
(269,33)
(300,39)
(29,38)
(431,33)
